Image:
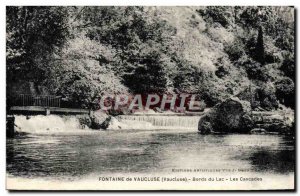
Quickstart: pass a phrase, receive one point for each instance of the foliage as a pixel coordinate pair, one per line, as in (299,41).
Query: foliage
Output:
(285,92)
(235,50)
(217,14)
(214,52)
(255,70)
(288,67)
(261,96)
(265,96)
(33,34)
(260,51)
(148,76)
(82,73)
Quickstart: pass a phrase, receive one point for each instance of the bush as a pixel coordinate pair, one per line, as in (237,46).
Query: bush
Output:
(288,67)
(255,70)
(216,14)
(223,66)
(273,54)
(221,71)
(266,95)
(213,92)
(285,92)
(261,96)
(235,50)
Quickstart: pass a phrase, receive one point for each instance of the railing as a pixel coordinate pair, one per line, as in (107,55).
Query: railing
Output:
(42,100)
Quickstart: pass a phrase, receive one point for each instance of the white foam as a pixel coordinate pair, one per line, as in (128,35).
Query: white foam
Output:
(129,124)
(52,124)
(46,124)
(162,121)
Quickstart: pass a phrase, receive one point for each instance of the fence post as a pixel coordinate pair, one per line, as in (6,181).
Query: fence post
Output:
(10,126)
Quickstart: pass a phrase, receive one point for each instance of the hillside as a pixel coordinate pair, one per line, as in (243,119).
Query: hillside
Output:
(215,52)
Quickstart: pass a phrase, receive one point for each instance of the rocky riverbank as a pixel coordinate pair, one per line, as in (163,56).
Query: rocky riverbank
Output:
(229,116)
(235,116)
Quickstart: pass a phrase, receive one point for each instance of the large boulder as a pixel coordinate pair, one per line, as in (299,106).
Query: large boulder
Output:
(230,116)
(100,120)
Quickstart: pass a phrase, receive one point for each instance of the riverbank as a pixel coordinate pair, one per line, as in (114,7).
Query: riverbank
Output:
(230,116)
(236,116)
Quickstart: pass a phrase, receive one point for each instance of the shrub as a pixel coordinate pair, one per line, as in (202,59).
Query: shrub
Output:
(235,50)
(260,96)
(285,92)
(288,67)
(255,70)
(265,96)
(223,67)
(217,14)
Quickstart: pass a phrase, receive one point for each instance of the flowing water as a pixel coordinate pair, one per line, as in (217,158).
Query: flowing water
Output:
(52,153)
(164,121)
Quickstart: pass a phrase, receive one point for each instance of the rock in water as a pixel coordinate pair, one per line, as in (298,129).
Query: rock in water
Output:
(258,131)
(84,120)
(230,116)
(100,120)
(204,125)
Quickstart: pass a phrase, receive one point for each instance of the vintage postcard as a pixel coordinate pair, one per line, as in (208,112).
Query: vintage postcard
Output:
(150,98)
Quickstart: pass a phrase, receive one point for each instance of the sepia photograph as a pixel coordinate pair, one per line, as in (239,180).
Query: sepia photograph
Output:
(150,98)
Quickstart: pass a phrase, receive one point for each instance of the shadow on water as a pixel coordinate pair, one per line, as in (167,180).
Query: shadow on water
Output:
(278,161)
(17,162)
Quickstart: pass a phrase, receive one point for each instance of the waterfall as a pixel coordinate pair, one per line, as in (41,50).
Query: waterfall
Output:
(69,124)
(162,121)
(46,124)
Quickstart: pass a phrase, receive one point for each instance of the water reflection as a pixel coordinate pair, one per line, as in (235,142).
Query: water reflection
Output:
(278,160)
(73,156)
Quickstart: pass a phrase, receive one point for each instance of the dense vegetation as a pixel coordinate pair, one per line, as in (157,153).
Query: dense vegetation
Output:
(215,52)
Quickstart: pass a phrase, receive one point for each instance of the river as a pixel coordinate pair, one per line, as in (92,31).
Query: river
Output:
(74,156)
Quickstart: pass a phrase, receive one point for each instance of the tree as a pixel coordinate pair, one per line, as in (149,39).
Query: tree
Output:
(260,51)
(148,76)
(33,34)
(83,73)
